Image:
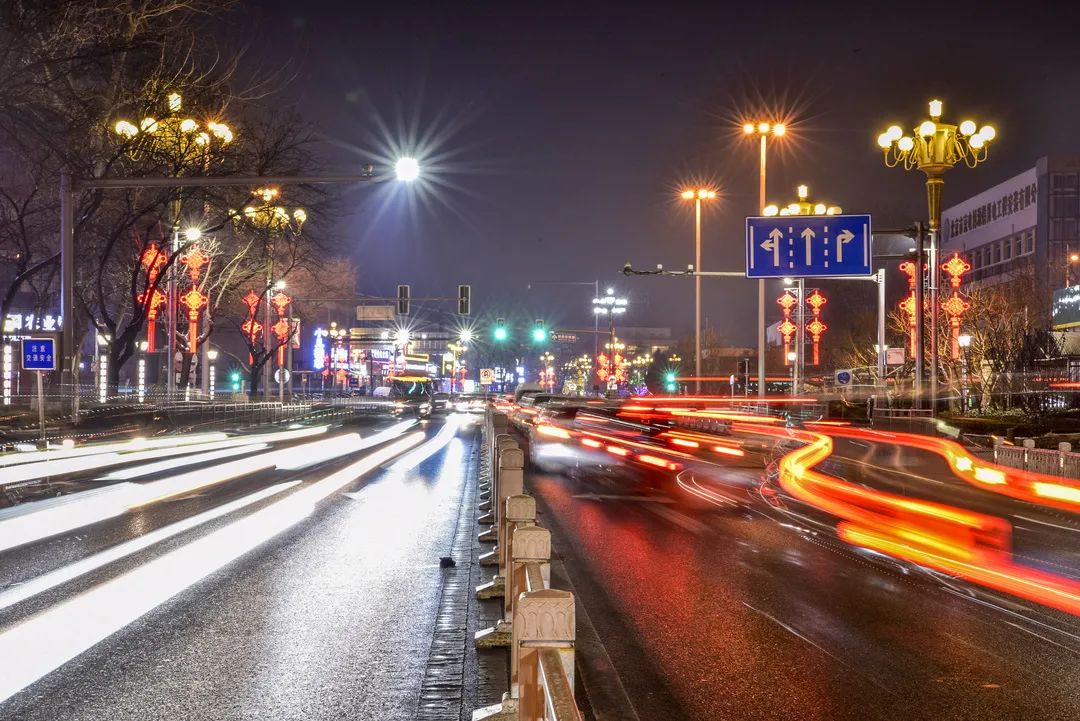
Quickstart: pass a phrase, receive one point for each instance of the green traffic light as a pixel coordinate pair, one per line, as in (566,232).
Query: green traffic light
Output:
(669,377)
(500,333)
(539,335)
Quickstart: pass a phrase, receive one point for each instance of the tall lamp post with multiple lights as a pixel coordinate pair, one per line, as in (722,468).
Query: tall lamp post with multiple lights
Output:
(697,196)
(762,129)
(179,141)
(934,148)
(610,305)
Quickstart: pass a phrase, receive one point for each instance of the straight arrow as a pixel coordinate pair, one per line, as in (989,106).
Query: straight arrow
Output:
(775,237)
(808,235)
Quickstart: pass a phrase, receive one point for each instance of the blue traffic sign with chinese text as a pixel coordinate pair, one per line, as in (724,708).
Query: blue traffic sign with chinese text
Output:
(804,246)
(39,354)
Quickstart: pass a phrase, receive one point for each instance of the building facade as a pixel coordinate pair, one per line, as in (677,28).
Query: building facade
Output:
(1031,219)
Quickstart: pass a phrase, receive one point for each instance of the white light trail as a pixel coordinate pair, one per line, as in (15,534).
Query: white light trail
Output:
(97,506)
(125,474)
(63,575)
(43,643)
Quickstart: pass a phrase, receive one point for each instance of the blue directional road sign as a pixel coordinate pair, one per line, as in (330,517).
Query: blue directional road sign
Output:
(805,246)
(39,354)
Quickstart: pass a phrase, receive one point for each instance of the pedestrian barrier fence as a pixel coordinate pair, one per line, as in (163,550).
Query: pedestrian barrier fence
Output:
(537,623)
(1062,462)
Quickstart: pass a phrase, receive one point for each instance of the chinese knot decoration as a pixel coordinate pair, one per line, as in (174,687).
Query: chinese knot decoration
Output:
(194,300)
(786,328)
(251,327)
(152,258)
(281,329)
(954,306)
(194,260)
(617,365)
(815,327)
(907,305)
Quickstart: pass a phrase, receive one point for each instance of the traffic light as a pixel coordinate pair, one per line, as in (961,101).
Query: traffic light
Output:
(669,382)
(500,334)
(234,379)
(403,300)
(464,299)
(539,333)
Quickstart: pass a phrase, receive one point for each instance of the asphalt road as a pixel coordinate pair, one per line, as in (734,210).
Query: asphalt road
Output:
(326,612)
(705,613)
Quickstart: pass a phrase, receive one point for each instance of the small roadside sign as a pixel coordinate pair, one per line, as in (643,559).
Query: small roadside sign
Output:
(895,356)
(844,377)
(487,376)
(39,354)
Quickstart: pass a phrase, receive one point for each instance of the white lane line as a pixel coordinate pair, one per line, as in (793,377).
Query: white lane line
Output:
(43,643)
(92,563)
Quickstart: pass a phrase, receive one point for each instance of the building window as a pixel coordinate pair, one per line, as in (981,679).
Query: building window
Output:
(997,252)
(1006,249)
(1029,241)
(1018,246)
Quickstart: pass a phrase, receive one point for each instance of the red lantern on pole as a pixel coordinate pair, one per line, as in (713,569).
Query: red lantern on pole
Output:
(786,328)
(281,331)
(155,301)
(955,306)
(816,329)
(908,304)
(194,301)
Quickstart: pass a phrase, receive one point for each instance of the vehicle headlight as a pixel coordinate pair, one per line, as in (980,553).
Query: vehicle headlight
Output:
(399,405)
(425,405)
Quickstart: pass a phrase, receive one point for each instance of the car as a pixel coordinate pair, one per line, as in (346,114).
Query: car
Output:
(412,395)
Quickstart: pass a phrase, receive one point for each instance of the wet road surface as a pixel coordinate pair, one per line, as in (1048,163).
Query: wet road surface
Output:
(328,615)
(736,614)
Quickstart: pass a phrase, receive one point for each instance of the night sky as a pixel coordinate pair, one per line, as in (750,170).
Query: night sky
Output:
(559,133)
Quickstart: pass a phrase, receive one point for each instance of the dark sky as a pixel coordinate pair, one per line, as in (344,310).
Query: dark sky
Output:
(559,133)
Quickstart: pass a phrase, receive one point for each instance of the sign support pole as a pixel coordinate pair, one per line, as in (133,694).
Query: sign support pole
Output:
(40,404)
(881,370)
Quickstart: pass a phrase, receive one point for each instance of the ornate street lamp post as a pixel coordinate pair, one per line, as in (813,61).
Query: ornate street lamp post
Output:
(934,148)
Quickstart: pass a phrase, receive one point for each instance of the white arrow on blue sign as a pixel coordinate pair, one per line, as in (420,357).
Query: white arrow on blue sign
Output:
(805,246)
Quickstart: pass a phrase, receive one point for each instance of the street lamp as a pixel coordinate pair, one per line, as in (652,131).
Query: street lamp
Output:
(174,141)
(762,129)
(407,169)
(697,196)
(934,147)
(610,305)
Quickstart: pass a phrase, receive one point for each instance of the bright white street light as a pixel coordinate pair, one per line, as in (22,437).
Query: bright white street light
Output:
(465,336)
(407,169)
(280,285)
(402,337)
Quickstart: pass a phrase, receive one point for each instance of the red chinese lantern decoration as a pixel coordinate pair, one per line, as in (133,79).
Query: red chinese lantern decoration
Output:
(251,300)
(280,301)
(153,258)
(152,303)
(907,305)
(816,328)
(194,301)
(251,328)
(956,267)
(194,260)
(786,328)
(281,331)
(954,306)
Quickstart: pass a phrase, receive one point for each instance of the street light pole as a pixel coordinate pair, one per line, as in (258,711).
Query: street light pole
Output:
(763,129)
(933,148)
(697,195)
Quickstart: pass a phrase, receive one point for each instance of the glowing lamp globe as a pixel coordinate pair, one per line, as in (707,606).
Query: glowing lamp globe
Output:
(407,169)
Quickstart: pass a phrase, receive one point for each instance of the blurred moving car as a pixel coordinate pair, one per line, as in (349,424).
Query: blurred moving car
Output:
(412,395)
